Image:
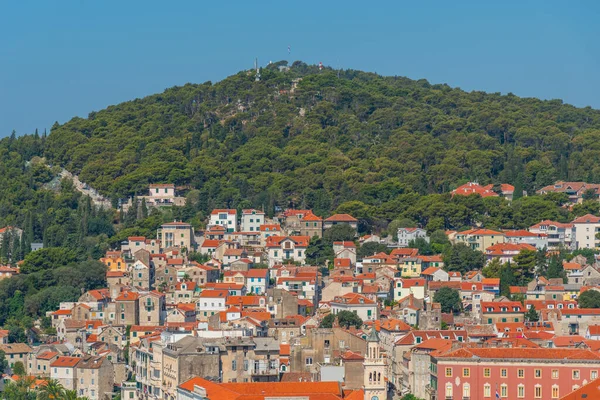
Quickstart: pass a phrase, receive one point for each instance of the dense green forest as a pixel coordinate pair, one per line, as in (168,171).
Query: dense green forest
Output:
(319,139)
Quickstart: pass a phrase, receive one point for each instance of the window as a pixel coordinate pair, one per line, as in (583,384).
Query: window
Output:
(520,391)
(233,365)
(554,374)
(503,373)
(466,372)
(575,374)
(448,372)
(538,373)
(486,373)
(245,365)
(555,391)
(521,373)
(538,392)
(593,374)
(448,390)
(503,391)
(487,390)
(308,361)
(466,390)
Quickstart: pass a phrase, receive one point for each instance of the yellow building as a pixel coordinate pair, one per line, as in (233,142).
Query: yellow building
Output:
(479,239)
(114,261)
(410,267)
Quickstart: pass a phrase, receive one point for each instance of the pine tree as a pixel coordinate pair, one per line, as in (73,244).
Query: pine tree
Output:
(531,315)
(507,279)
(518,193)
(144,210)
(555,268)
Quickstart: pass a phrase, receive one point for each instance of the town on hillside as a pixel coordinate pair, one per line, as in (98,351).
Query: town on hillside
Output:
(301,306)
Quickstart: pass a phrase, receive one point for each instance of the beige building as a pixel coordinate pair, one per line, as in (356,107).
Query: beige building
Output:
(127,309)
(479,239)
(177,234)
(95,377)
(152,308)
(185,359)
(39,364)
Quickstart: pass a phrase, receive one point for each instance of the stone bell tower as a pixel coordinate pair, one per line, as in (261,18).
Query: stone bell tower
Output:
(374,369)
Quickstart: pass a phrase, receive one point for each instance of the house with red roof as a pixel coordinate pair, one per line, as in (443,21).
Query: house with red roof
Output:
(409,286)
(574,190)
(211,302)
(267,230)
(251,220)
(512,372)
(479,238)
(521,236)
(283,248)
(226,218)
(338,219)
(502,311)
(345,249)
(558,234)
(361,305)
(505,252)
(470,188)
(64,370)
(584,229)
(434,274)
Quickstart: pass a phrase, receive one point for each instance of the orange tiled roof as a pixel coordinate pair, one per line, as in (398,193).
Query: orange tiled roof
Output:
(522,354)
(68,362)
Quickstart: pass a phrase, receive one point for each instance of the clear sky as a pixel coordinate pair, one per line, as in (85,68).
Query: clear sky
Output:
(65,58)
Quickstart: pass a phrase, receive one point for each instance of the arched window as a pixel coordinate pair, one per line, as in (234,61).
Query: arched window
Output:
(466,390)
(487,390)
(448,390)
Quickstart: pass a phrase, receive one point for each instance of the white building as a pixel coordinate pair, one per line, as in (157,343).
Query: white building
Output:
(362,306)
(252,220)
(406,235)
(283,248)
(558,234)
(537,240)
(210,302)
(585,229)
(64,370)
(225,218)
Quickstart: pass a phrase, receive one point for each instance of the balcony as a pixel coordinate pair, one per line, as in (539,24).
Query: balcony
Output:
(264,372)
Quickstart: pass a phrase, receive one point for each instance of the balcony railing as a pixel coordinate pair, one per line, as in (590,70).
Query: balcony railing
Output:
(268,371)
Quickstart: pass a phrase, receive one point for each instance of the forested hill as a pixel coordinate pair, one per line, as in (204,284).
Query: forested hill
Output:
(327,138)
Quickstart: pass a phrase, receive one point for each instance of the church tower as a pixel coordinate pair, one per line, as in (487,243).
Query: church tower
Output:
(374,369)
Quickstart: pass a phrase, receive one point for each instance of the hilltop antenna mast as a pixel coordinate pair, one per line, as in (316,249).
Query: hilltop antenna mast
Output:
(257,70)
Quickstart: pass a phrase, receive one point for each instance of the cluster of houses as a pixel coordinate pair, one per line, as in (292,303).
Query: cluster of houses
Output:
(246,320)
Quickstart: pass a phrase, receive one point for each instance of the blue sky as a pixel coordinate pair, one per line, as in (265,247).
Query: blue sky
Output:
(60,59)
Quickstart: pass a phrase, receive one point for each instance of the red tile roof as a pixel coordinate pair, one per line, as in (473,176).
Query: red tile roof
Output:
(68,362)
(210,243)
(311,217)
(353,299)
(496,306)
(214,293)
(341,218)
(128,296)
(221,211)
(588,391)
(342,262)
(521,353)
(300,241)
(270,227)
(587,219)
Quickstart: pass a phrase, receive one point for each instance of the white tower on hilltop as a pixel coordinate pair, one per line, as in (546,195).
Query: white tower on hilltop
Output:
(374,369)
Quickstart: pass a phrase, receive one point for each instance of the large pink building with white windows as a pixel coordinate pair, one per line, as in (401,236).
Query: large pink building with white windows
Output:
(515,373)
